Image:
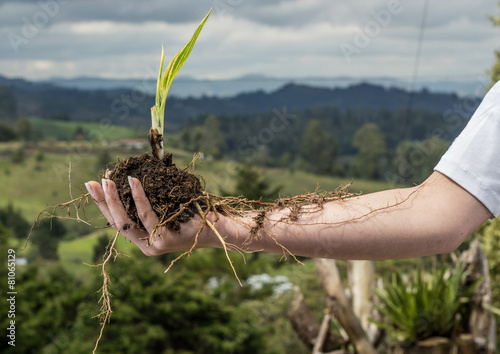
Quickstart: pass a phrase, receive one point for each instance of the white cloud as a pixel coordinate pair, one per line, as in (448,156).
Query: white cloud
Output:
(278,38)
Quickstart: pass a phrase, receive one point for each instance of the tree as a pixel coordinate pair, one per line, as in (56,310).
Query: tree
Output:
(17,156)
(495,69)
(80,133)
(415,160)
(213,137)
(154,313)
(252,185)
(47,236)
(24,129)
(100,248)
(7,133)
(370,142)
(103,159)
(47,300)
(14,220)
(4,237)
(318,149)
(8,110)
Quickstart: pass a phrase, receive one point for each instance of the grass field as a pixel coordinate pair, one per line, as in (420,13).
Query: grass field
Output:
(62,130)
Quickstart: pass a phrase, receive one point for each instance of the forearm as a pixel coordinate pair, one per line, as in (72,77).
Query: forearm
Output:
(432,218)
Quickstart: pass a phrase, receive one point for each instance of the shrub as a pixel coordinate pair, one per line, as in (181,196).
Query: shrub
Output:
(424,306)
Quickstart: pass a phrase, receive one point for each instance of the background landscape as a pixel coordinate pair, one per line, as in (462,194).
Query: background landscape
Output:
(65,115)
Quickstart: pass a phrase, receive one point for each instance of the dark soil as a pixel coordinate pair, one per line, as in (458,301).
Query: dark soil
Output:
(168,188)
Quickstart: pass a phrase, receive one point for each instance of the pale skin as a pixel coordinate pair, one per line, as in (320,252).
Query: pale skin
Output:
(432,218)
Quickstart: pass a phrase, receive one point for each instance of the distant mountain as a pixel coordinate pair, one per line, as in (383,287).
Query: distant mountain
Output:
(185,87)
(131,107)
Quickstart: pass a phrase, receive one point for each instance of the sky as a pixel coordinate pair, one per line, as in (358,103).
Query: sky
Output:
(294,38)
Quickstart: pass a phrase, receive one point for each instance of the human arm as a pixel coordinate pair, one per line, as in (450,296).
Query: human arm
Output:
(434,217)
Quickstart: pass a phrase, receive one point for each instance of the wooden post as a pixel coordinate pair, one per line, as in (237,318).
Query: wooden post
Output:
(482,324)
(361,277)
(315,337)
(340,307)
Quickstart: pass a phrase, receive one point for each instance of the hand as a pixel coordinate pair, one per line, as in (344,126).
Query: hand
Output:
(163,240)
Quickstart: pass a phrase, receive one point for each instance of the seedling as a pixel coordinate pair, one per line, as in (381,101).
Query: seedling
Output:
(163,84)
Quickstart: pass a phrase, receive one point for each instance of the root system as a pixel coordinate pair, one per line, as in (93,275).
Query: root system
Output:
(176,195)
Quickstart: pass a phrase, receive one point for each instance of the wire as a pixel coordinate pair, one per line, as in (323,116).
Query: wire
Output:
(416,65)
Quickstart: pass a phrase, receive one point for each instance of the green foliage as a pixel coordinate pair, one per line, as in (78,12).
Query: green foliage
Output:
(47,302)
(17,156)
(252,185)
(155,313)
(4,236)
(370,142)
(489,236)
(7,133)
(46,237)
(207,138)
(39,156)
(495,69)
(318,149)
(24,129)
(8,110)
(80,133)
(100,248)
(212,137)
(152,313)
(415,160)
(103,159)
(13,219)
(267,138)
(425,305)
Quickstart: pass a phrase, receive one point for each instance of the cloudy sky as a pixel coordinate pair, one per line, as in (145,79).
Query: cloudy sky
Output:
(294,38)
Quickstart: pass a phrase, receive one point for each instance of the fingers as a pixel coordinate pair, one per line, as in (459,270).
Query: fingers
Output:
(107,199)
(146,213)
(115,206)
(97,194)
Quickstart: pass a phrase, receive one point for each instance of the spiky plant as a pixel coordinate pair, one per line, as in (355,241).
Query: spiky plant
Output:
(428,305)
(163,84)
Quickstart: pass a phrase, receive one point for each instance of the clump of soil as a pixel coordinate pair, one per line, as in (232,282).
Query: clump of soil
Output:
(170,190)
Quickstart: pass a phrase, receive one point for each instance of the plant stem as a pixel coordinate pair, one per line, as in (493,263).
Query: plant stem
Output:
(156,134)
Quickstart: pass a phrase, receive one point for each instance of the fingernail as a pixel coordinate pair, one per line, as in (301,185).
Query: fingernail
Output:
(104,184)
(130,182)
(89,189)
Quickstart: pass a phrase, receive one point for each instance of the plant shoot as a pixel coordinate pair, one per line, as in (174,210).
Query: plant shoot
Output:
(165,79)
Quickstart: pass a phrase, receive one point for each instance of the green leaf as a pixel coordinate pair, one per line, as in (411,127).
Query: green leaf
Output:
(158,82)
(166,78)
(426,305)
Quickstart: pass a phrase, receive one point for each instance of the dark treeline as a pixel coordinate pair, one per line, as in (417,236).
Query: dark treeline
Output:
(360,131)
(329,140)
(130,107)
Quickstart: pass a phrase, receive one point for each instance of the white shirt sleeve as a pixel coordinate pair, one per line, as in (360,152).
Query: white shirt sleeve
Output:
(473,159)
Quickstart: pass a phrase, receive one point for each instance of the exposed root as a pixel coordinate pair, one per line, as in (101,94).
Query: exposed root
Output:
(77,203)
(106,311)
(190,250)
(210,225)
